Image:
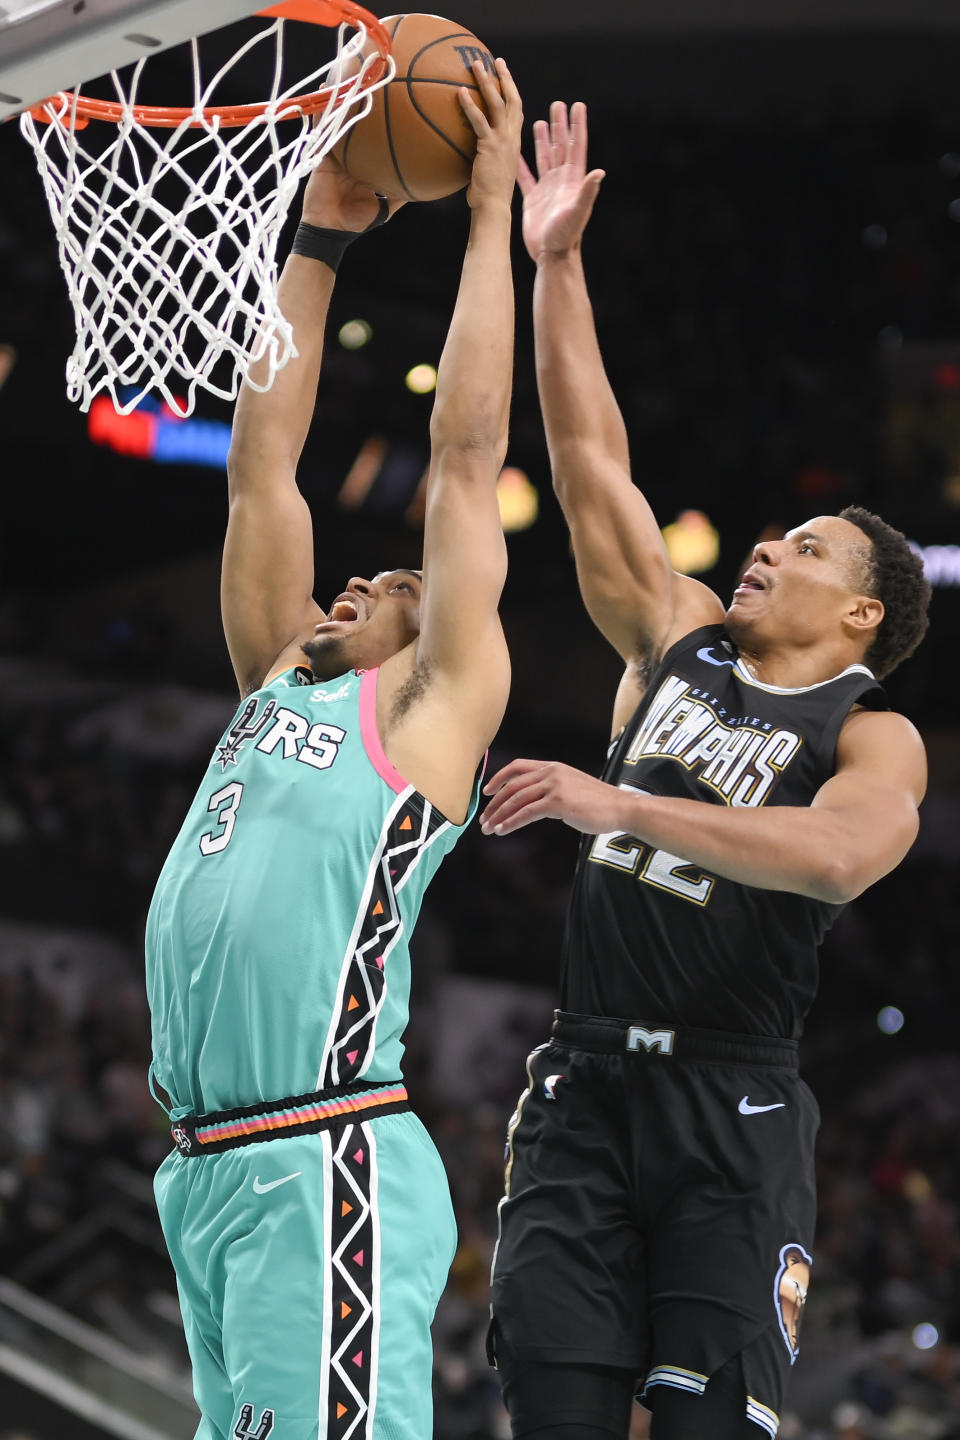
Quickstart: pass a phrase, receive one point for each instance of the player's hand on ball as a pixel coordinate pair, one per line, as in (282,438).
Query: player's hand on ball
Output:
(558,203)
(528,790)
(333,200)
(498,134)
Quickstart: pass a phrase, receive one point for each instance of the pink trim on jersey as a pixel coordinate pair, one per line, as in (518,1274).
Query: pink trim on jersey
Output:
(371,735)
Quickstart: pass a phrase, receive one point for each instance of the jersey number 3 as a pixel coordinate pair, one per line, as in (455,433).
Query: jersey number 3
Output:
(654,867)
(225,803)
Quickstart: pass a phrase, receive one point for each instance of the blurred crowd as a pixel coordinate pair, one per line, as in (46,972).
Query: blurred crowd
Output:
(755,289)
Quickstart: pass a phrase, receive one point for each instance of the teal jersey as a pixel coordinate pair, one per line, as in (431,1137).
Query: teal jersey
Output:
(277,942)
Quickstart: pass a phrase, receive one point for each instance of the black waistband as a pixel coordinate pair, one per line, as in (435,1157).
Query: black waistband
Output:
(296,1115)
(660,1039)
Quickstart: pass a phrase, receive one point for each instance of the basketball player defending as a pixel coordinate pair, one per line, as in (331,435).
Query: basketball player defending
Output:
(659,1209)
(305,1208)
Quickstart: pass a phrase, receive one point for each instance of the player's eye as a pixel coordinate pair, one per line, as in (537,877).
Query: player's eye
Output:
(806,546)
(403,585)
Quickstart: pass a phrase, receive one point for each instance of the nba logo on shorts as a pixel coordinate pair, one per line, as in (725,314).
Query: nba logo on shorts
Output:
(181,1139)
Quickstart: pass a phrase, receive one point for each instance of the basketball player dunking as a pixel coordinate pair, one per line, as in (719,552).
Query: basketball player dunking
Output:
(306,1210)
(658,1220)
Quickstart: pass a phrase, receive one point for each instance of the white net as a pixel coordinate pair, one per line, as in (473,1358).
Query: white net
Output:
(168,238)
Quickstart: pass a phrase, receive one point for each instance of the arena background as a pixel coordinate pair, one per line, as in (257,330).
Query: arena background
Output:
(775,266)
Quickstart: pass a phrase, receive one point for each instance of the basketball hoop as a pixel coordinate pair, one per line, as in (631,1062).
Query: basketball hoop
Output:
(169,243)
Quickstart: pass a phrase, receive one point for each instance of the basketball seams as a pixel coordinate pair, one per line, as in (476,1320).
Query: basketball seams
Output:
(404,110)
(353,129)
(389,129)
(432,124)
(411,80)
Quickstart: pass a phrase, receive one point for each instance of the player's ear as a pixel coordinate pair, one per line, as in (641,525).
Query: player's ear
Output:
(864,614)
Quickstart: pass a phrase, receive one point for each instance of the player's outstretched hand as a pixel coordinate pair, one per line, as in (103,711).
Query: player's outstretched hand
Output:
(558,203)
(498,134)
(333,200)
(528,790)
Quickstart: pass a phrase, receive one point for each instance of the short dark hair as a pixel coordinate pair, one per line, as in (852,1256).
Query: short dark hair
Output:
(893,573)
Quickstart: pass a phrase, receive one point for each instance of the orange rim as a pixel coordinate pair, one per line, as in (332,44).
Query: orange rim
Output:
(160,117)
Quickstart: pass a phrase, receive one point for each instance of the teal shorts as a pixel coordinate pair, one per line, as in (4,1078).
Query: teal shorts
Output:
(309,1269)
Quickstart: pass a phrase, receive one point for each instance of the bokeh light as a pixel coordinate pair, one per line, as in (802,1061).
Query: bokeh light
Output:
(890,1020)
(925,1336)
(354,334)
(693,543)
(421,379)
(518,499)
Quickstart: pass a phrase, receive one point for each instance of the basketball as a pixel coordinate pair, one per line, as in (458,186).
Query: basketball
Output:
(416,143)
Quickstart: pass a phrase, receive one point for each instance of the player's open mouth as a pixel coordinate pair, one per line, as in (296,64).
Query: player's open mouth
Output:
(750,582)
(344,610)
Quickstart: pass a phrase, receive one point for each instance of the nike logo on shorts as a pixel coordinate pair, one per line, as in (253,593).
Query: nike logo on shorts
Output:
(272,1184)
(746,1108)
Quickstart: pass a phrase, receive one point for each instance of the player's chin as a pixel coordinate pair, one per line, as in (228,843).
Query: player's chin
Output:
(736,623)
(328,655)
(739,610)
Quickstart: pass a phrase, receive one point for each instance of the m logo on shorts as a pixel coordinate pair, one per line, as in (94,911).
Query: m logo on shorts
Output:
(651,1040)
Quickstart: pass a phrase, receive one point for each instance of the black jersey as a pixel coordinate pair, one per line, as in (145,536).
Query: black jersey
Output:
(651,937)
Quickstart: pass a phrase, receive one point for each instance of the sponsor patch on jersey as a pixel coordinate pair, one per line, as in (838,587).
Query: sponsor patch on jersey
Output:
(327,697)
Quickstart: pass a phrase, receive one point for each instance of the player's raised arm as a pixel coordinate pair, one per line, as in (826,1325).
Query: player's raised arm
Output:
(267,576)
(461,644)
(630,590)
(859,826)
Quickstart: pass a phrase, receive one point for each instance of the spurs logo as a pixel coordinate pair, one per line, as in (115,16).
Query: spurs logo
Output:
(651,1040)
(290,732)
(247,724)
(243,1429)
(180,1138)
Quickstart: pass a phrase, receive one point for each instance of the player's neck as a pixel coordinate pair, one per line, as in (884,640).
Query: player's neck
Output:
(793,668)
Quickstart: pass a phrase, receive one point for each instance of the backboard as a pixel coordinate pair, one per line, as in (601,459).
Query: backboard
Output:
(52,45)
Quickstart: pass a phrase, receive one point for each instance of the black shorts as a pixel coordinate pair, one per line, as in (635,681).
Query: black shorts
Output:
(659,1208)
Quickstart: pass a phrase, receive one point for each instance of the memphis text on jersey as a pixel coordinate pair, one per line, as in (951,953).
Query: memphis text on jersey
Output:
(738,758)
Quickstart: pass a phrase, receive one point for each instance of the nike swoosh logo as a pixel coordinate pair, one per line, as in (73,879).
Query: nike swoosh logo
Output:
(746,1108)
(707,654)
(272,1184)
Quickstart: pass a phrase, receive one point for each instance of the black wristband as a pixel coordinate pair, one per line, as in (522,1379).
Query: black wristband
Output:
(325,245)
(328,245)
